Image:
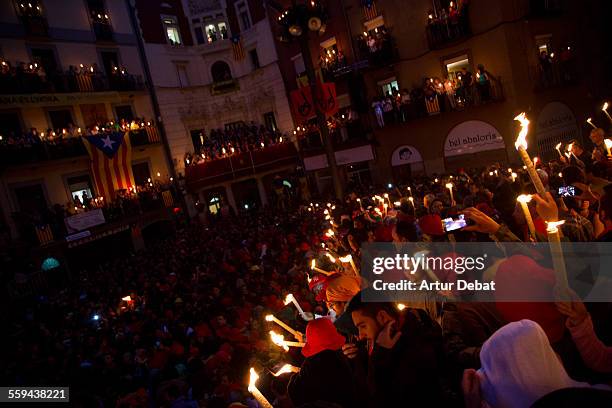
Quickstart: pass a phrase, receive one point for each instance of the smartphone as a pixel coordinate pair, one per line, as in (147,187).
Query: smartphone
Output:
(452,224)
(567,191)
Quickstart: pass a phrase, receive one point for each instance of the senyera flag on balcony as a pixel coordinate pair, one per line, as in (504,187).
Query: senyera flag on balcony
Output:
(369,9)
(237,48)
(111,162)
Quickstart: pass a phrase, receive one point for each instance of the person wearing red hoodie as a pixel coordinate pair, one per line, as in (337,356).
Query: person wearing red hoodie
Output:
(325,375)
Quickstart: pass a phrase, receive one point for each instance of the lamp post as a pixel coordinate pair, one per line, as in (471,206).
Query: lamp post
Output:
(300,26)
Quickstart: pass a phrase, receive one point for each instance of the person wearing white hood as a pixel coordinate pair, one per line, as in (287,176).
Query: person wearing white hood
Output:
(518,368)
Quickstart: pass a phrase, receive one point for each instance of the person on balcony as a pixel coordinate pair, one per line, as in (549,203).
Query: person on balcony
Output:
(378,112)
(483,83)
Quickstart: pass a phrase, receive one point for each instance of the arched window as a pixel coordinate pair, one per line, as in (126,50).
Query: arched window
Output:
(220,72)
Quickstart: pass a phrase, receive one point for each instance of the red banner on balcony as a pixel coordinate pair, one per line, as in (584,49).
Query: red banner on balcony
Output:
(327,102)
(302,104)
(304,107)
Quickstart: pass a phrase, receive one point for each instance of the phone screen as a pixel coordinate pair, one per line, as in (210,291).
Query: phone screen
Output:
(452,224)
(567,191)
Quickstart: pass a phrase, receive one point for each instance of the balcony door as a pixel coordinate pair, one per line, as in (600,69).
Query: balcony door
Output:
(110,60)
(46,58)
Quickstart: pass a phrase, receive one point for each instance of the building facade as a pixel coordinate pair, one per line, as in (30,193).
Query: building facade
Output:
(516,55)
(68,69)
(215,69)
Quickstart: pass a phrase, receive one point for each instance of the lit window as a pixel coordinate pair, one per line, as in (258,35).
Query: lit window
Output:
(389,86)
(454,66)
(173,33)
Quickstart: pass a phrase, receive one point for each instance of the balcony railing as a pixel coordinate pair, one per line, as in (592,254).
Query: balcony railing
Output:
(21,82)
(546,8)
(459,99)
(443,31)
(223,87)
(31,150)
(554,73)
(240,165)
(350,135)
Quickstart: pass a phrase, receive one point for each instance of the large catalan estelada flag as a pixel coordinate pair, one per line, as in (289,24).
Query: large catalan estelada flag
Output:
(111,162)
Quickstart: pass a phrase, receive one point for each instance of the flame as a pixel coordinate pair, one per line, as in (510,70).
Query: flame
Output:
(605,106)
(309,279)
(401,306)
(288,298)
(411,199)
(524,198)
(590,120)
(313,264)
(514,176)
(558,146)
(252,380)
(552,226)
(449,186)
(269,318)
(331,258)
(284,369)
(386,195)
(608,143)
(570,146)
(127,298)
(377,210)
(521,140)
(330,232)
(397,203)
(345,259)
(279,340)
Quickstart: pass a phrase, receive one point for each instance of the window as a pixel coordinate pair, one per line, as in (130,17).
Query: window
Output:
(254,58)
(234,125)
(244,19)
(124,112)
(211,33)
(298,64)
(183,79)
(197,138)
(171,27)
(80,187)
(141,173)
(31,199)
(60,118)
(10,123)
(270,121)
(46,58)
(454,66)
(199,34)
(543,43)
(110,61)
(388,86)
(220,72)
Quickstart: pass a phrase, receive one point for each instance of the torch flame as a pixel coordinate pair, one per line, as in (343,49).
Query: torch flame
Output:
(288,298)
(605,106)
(521,140)
(345,259)
(411,199)
(331,258)
(278,339)
(252,380)
(552,226)
(269,318)
(569,147)
(449,185)
(401,306)
(127,298)
(313,264)
(284,369)
(558,146)
(524,198)
(608,143)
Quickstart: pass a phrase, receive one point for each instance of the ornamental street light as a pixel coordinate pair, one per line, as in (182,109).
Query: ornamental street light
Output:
(296,23)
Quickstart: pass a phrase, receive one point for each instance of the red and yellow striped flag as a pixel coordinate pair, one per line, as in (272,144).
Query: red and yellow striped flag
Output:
(111,162)
(237,48)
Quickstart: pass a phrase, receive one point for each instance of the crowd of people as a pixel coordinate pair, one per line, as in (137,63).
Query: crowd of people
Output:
(376,45)
(32,77)
(436,95)
(180,323)
(244,137)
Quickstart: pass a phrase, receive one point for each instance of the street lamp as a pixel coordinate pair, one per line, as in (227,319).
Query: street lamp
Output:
(296,23)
